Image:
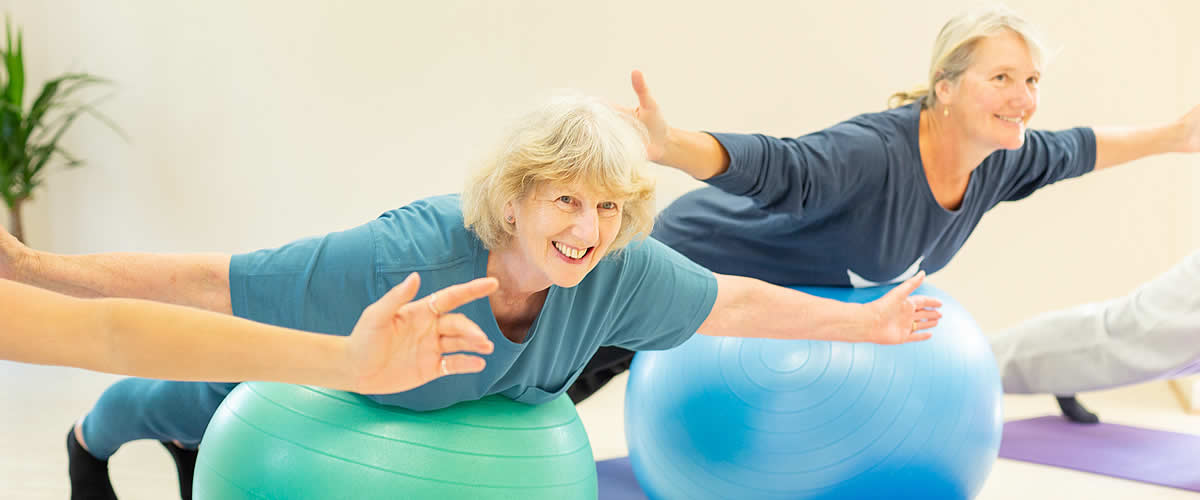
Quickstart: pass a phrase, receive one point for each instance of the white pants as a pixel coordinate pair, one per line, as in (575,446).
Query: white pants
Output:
(1152,333)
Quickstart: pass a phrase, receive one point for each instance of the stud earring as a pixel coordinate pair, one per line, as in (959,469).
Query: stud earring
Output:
(510,219)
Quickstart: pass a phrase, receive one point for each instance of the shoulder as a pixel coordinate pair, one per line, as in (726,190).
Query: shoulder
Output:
(426,231)
(889,126)
(646,258)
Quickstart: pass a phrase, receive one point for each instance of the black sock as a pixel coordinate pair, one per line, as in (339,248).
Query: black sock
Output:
(1074,411)
(89,475)
(185,465)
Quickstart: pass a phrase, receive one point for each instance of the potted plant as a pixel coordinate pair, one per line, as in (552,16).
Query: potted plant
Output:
(29,137)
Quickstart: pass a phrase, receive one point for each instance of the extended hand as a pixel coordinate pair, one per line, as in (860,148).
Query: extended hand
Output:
(398,345)
(651,117)
(900,318)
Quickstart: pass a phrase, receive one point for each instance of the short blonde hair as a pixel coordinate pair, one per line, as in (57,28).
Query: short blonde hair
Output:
(955,47)
(572,140)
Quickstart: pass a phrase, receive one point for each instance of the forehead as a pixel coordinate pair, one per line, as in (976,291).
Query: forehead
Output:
(1005,50)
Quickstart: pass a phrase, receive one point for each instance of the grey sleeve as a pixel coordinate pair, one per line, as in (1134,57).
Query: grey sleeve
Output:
(802,175)
(1049,157)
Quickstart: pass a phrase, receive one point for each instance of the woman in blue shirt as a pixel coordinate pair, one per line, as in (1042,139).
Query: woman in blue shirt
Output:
(882,196)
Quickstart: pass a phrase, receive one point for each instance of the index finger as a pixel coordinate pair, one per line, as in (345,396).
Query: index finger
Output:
(453,296)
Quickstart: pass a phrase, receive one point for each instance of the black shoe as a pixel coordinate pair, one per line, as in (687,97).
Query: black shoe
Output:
(185,465)
(1074,411)
(89,475)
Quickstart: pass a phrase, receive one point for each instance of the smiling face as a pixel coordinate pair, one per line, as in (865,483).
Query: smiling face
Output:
(997,94)
(562,231)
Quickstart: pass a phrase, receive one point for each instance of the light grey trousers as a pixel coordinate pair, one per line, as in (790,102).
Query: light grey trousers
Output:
(1151,333)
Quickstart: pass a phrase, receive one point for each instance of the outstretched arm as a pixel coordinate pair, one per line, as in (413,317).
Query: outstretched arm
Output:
(747,307)
(1115,146)
(197,280)
(397,345)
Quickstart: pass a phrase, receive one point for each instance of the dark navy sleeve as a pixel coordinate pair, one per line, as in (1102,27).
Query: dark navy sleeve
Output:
(665,298)
(802,175)
(319,284)
(1049,157)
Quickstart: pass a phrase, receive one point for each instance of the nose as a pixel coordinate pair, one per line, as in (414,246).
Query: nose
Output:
(1025,97)
(587,226)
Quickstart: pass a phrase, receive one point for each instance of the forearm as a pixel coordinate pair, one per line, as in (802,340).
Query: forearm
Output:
(747,307)
(1115,146)
(203,346)
(148,339)
(195,280)
(696,153)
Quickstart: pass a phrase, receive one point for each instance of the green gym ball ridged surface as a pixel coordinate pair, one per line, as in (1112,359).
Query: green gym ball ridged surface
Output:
(272,440)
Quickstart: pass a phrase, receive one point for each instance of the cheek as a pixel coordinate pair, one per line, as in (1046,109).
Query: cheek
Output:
(610,229)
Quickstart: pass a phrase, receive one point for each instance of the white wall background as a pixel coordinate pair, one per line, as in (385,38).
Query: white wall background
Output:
(255,123)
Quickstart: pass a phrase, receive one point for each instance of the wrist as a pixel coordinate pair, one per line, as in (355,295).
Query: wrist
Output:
(348,369)
(1177,137)
(868,324)
(25,263)
(671,148)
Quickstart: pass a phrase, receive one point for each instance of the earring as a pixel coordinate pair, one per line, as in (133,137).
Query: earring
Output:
(946,111)
(510,219)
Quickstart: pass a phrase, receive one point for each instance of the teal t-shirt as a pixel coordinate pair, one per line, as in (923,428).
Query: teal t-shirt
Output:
(647,297)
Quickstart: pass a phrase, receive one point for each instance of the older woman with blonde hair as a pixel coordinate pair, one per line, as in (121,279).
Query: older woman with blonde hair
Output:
(553,217)
(885,195)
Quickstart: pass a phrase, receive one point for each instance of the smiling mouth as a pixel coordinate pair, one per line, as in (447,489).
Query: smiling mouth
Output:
(572,253)
(1011,119)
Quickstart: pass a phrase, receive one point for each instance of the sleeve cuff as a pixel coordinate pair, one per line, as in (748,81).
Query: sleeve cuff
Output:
(737,179)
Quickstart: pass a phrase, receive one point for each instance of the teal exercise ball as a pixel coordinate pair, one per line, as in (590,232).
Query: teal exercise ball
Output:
(271,440)
(790,419)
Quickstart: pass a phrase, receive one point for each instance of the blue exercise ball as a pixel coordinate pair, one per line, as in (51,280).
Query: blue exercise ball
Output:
(775,419)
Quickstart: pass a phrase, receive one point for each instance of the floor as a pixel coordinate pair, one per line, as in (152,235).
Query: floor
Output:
(34,420)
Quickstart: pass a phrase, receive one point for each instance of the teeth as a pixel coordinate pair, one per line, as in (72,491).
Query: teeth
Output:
(1015,119)
(570,252)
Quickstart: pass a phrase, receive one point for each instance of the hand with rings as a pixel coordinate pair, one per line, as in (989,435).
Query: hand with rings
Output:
(398,345)
(432,302)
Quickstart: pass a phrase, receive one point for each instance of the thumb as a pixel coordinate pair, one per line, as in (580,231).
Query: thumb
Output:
(645,101)
(905,289)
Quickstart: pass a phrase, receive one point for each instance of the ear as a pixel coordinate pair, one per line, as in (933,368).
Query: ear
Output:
(945,91)
(509,210)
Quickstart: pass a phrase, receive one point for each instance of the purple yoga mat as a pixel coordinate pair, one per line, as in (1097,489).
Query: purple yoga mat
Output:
(616,480)
(1149,456)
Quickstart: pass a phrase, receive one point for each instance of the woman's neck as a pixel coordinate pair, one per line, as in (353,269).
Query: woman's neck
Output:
(948,157)
(521,284)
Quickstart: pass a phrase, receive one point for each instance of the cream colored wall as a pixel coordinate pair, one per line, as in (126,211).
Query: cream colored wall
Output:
(254,123)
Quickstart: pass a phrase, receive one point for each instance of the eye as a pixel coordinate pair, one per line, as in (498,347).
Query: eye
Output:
(1001,77)
(566,199)
(1033,81)
(608,208)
